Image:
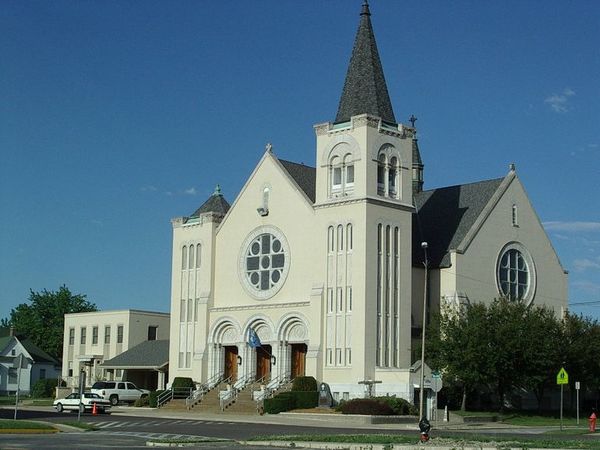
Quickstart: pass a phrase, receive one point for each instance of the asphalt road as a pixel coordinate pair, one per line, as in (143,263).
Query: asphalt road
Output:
(133,428)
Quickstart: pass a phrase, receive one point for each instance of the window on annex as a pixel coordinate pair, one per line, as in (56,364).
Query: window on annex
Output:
(107,334)
(71,336)
(119,334)
(94,335)
(152,332)
(83,335)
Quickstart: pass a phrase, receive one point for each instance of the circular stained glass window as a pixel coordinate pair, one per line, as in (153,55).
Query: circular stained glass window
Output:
(516,273)
(264,262)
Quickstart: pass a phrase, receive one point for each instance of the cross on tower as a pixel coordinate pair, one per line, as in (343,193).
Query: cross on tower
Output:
(412,120)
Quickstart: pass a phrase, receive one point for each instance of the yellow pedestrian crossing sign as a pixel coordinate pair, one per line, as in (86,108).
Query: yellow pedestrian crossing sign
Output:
(562,377)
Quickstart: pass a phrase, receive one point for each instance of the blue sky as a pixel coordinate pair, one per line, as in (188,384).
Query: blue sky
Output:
(116,116)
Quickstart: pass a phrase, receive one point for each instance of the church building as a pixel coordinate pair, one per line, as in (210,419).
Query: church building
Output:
(320,270)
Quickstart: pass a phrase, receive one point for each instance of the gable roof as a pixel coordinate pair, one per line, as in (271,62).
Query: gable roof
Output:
(147,354)
(445,216)
(38,355)
(304,176)
(216,203)
(365,90)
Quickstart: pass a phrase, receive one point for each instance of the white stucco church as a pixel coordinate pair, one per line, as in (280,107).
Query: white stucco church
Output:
(325,264)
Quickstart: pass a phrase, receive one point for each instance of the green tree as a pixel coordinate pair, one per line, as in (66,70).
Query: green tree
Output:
(579,350)
(42,319)
(460,346)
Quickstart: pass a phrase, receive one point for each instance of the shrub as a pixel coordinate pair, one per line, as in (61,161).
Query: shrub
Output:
(142,402)
(280,403)
(305,384)
(183,382)
(306,400)
(153,397)
(369,406)
(44,388)
(400,406)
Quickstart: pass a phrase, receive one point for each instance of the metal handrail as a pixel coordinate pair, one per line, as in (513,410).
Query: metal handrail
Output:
(164,397)
(232,393)
(202,389)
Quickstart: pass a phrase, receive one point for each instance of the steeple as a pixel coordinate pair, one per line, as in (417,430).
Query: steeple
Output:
(365,91)
(417,162)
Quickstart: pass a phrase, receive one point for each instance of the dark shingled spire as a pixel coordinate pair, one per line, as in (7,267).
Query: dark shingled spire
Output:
(216,203)
(365,91)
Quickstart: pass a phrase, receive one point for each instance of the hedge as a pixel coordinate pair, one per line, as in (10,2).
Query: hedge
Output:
(304,384)
(183,382)
(400,406)
(368,406)
(286,401)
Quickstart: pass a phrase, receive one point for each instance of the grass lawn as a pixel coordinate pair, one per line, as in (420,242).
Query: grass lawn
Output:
(458,442)
(24,426)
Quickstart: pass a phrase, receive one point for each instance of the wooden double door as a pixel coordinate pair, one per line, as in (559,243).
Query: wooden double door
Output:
(298,366)
(231,363)
(263,362)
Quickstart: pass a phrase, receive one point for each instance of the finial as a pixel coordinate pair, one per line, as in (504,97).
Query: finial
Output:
(412,119)
(269,147)
(365,9)
(217,190)
(512,167)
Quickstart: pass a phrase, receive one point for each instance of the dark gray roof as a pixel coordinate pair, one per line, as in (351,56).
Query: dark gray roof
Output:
(149,354)
(304,176)
(444,217)
(365,90)
(216,203)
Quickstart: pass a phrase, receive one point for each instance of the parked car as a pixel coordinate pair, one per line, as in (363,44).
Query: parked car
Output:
(118,391)
(72,402)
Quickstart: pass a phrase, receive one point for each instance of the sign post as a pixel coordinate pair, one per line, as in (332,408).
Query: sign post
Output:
(436,386)
(19,362)
(577,386)
(561,379)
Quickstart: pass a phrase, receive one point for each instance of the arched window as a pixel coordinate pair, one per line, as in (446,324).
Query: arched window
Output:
(198,252)
(393,177)
(184,257)
(381,163)
(336,173)
(349,237)
(348,172)
(192,253)
(340,238)
(330,244)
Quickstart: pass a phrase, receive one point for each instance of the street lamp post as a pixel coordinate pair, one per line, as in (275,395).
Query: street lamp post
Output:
(422,389)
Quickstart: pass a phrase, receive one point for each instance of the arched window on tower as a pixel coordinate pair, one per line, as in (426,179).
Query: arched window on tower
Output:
(184,257)
(393,178)
(335,168)
(348,173)
(381,169)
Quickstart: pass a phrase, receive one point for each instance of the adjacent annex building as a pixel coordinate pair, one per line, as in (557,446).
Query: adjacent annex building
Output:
(325,265)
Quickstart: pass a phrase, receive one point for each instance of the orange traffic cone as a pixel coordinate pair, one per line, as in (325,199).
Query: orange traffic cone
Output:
(94,410)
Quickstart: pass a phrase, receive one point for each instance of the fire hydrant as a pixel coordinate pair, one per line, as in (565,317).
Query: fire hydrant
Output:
(424,426)
(592,421)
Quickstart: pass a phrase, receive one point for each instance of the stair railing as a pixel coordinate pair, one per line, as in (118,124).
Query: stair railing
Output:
(229,396)
(202,389)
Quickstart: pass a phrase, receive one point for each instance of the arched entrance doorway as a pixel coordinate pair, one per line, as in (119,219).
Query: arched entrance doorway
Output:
(230,369)
(263,362)
(298,363)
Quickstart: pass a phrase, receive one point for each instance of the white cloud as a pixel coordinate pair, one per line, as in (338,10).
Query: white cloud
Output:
(190,191)
(560,102)
(149,188)
(584,264)
(574,227)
